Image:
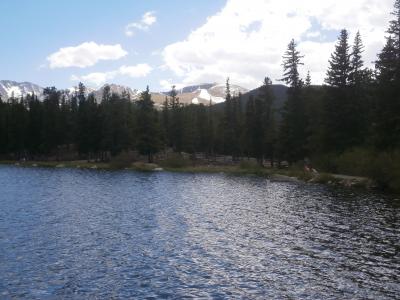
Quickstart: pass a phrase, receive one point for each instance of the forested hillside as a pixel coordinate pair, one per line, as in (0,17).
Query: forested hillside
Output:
(349,125)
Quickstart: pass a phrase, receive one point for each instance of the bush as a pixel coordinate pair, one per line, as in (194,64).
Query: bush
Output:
(122,160)
(326,162)
(357,162)
(385,170)
(324,178)
(176,161)
(249,165)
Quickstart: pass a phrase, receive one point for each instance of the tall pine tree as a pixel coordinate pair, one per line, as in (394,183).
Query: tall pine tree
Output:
(293,130)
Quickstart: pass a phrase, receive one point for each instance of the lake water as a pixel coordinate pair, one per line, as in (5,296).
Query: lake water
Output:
(68,233)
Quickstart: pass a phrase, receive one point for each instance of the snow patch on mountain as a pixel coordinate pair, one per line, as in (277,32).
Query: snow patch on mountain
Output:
(15,89)
(195,94)
(204,94)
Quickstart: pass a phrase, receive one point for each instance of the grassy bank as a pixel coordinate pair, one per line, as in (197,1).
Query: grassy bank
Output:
(183,165)
(382,167)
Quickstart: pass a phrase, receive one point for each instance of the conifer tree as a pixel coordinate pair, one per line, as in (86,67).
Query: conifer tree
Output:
(268,120)
(387,120)
(308,79)
(356,62)
(228,121)
(359,96)
(394,26)
(291,63)
(294,123)
(250,132)
(176,121)
(148,132)
(210,135)
(386,63)
(338,111)
(339,64)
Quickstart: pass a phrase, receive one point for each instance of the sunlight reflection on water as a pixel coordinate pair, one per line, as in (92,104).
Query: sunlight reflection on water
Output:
(80,233)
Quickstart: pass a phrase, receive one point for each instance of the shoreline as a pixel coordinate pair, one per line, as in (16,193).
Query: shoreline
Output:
(291,175)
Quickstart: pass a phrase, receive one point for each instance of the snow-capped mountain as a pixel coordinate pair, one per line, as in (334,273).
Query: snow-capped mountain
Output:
(10,89)
(15,89)
(117,89)
(201,94)
(194,94)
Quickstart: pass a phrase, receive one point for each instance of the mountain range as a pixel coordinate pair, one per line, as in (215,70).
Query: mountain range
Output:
(193,94)
(15,89)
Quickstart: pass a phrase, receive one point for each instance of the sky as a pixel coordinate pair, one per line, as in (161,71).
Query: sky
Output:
(162,43)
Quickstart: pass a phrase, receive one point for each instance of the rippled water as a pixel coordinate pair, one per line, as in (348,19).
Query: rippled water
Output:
(95,234)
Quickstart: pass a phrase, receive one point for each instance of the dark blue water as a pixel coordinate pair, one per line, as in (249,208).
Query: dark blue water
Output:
(94,234)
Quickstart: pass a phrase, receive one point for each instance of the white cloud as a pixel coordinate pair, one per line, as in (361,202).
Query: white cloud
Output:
(140,70)
(99,78)
(313,34)
(96,78)
(85,55)
(144,24)
(246,42)
(166,85)
(149,18)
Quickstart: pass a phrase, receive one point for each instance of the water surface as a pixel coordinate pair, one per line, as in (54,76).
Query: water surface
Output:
(68,233)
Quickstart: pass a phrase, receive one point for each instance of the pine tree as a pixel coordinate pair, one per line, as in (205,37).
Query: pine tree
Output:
(291,63)
(387,119)
(3,127)
(83,123)
(394,26)
(231,123)
(294,123)
(250,134)
(35,125)
(210,135)
(356,62)
(228,129)
(308,79)
(268,120)
(338,106)
(173,98)
(148,131)
(166,122)
(339,64)
(359,96)
(386,63)
(51,127)
(176,121)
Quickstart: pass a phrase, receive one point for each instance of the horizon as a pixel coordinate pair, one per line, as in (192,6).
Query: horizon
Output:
(241,150)
(94,88)
(144,44)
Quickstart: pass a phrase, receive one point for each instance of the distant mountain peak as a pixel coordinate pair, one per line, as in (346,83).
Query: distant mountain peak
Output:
(193,94)
(9,88)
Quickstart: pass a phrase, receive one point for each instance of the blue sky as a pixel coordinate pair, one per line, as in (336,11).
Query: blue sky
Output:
(176,42)
(31,30)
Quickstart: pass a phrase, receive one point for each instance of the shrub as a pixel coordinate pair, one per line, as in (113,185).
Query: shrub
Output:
(357,162)
(324,178)
(385,170)
(326,162)
(383,167)
(122,160)
(176,161)
(249,165)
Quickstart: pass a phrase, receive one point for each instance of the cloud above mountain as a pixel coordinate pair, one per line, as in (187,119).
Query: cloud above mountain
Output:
(99,78)
(246,40)
(85,55)
(148,19)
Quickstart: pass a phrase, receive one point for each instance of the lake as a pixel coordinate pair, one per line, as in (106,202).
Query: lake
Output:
(70,233)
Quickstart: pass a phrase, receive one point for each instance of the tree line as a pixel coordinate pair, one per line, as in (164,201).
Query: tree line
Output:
(357,107)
